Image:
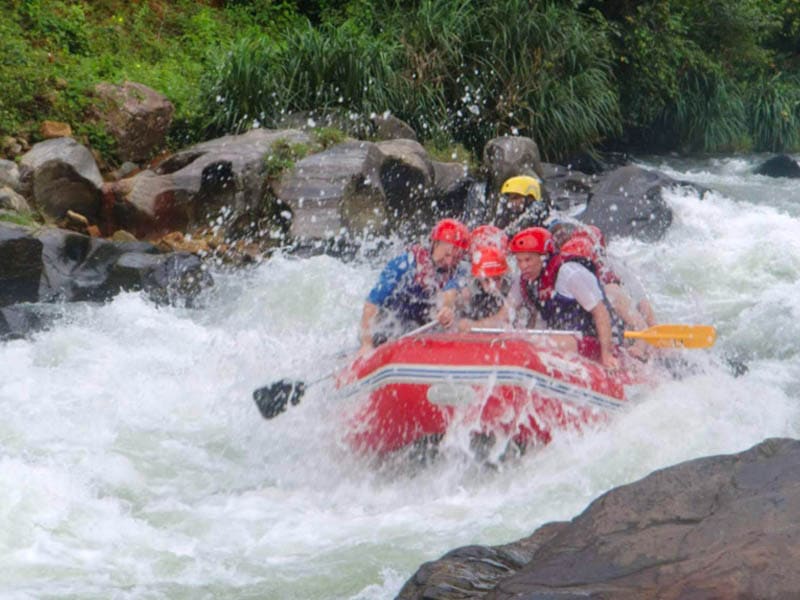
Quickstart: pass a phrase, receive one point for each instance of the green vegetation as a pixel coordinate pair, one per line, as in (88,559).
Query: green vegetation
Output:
(661,75)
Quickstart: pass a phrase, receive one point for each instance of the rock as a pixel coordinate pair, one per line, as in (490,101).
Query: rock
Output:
(11,200)
(126,169)
(193,186)
(406,175)
(55,129)
(779,166)
(19,321)
(505,157)
(9,174)
(471,571)
(715,527)
(335,191)
(627,202)
(177,242)
(568,187)
(137,116)
(166,278)
(388,127)
(452,186)
(120,235)
(62,175)
(20,265)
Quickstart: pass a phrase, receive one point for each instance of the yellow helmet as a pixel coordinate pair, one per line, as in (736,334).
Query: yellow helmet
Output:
(523,185)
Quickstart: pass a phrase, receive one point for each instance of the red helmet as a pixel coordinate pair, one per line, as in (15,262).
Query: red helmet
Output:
(591,233)
(488,261)
(488,235)
(452,231)
(533,239)
(579,245)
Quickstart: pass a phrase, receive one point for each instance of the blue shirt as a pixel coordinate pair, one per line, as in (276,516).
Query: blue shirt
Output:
(400,271)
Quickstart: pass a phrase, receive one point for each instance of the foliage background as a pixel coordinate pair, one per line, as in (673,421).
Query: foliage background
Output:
(659,75)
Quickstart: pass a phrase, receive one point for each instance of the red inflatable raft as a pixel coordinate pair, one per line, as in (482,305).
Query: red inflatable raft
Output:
(509,386)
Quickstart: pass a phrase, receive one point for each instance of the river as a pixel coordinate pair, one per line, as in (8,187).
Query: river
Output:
(133,463)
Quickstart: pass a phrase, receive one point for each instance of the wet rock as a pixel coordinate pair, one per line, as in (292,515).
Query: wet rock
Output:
(473,571)
(335,191)
(779,166)
(715,527)
(137,117)
(19,321)
(167,278)
(11,200)
(193,186)
(9,174)
(568,187)
(452,185)
(20,265)
(407,176)
(628,202)
(61,174)
(388,127)
(505,157)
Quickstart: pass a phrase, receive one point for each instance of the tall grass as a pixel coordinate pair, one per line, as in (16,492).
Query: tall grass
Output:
(260,80)
(471,70)
(774,113)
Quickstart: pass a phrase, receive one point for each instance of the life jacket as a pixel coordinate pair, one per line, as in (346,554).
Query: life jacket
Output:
(483,304)
(560,312)
(415,295)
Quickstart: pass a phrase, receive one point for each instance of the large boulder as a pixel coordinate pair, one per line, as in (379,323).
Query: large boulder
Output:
(507,156)
(12,201)
(77,267)
(137,116)
(715,527)
(407,176)
(779,166)
(19,321)
(452,188)
(197,184)
(173,278)
(567,186)
(61,175)
(628,202)
(335,191)
(20,265)
(9,174)
(388,127)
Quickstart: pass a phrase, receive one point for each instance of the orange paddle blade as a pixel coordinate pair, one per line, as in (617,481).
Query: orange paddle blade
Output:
(677,336)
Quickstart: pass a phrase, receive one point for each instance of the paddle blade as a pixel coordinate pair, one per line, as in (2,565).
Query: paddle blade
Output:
(273,399)
(677,336)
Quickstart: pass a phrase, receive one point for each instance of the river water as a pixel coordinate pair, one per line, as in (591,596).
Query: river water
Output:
(133,463)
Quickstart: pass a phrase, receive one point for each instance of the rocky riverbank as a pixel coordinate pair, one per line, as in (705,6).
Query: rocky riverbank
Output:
(715,527)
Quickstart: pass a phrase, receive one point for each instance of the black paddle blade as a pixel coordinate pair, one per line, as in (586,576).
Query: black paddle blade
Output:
(272,400)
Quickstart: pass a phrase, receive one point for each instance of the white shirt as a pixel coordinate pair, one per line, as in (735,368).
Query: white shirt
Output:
(577,282)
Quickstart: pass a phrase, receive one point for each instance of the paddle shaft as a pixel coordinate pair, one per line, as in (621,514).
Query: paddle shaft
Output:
(273,399)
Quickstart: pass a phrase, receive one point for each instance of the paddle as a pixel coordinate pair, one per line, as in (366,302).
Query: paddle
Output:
(273,399)
(661,336)
(676,336)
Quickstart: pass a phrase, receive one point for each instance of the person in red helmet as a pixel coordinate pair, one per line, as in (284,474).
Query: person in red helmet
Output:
(488,235)
(483,303)
(408,291)
(621,286)
(567,294)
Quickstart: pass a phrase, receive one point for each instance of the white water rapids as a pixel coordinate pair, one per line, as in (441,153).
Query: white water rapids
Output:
(134,464)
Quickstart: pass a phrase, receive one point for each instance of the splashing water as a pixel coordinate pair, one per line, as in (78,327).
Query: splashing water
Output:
(134,463)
